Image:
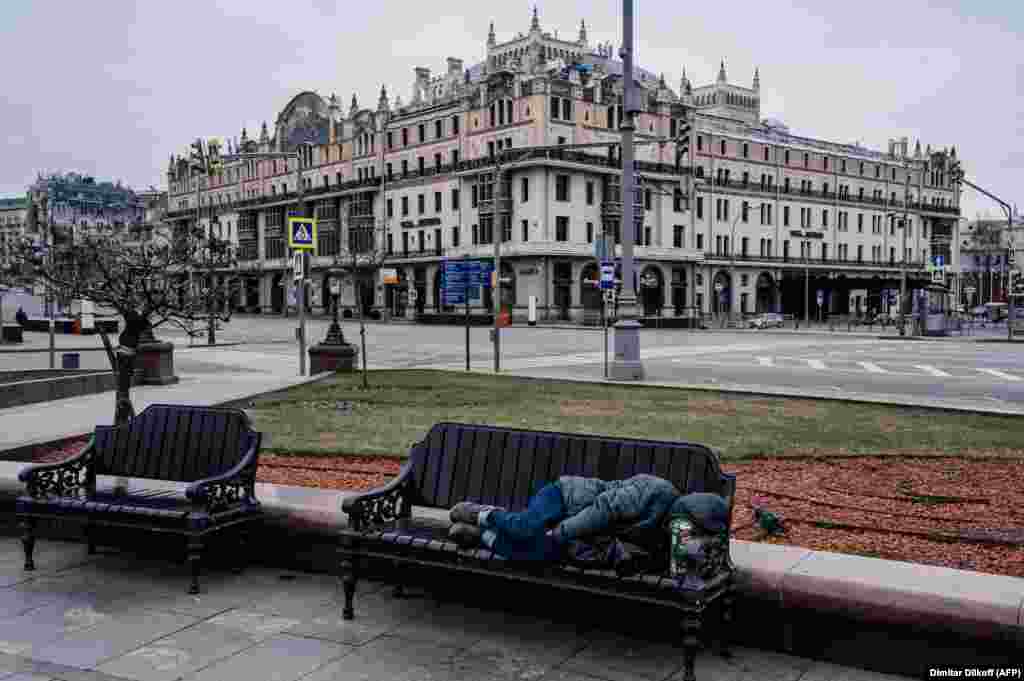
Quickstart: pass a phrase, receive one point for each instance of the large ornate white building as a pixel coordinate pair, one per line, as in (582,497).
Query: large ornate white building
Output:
(771,218)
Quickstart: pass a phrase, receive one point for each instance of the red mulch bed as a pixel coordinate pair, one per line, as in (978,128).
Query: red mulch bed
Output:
(964,513)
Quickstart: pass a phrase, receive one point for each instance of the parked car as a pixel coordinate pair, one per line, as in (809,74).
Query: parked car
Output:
(765,320)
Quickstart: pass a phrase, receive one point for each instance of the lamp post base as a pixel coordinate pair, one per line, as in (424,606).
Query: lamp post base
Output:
(626,365)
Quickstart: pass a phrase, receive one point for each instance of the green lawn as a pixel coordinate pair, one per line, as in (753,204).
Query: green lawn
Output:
(400,407)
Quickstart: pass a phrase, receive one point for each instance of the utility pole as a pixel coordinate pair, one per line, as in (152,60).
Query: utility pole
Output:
(627,365)
(903,273)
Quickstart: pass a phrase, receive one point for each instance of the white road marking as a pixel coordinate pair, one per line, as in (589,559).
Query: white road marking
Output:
(1000,374)
(932,370)
(816,364)
(872,368)
(764,361)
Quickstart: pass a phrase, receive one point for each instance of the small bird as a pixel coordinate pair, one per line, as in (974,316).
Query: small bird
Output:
(768,521)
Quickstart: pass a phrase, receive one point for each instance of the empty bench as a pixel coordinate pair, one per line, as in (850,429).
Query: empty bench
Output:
(214,450)
(503,467)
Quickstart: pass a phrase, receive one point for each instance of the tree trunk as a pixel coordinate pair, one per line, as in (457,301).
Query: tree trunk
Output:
(362,333)
(135,327)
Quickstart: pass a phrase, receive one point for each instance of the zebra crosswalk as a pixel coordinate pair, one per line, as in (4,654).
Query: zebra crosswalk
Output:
(735,358)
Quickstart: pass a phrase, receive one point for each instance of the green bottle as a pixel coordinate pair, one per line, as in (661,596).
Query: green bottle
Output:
(681,530)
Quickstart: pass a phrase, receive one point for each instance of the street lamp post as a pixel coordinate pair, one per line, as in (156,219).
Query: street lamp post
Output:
(627,365)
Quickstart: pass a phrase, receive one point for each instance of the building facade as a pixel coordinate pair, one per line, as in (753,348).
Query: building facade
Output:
(13,223)
(754,219)
(73,204)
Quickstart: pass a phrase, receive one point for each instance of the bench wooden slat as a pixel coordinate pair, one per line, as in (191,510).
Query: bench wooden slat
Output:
(193,469)
(695,475)
(449,465)
(173,467)
(559,458)
(493,443)
(511,452)
(533,472)
(231,441)
(607,460)
(477,444)
(467,467)
(663,462)
(435,452)
(644,460)
(544,470)
(625,462)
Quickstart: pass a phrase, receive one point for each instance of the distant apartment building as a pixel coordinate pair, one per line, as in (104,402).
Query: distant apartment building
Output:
(990,256)
(755,219)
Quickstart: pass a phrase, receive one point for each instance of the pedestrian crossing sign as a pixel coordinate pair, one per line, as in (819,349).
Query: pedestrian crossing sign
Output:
(302,234)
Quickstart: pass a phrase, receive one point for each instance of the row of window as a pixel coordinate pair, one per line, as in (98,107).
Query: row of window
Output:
(439,131)
(935,178)
(806,221)
(807,249)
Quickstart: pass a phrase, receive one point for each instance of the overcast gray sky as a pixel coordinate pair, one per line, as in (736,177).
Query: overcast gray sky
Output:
(113,87)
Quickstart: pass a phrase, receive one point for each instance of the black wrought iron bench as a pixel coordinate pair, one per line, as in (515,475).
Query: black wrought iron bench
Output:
(213,449)
(504,466)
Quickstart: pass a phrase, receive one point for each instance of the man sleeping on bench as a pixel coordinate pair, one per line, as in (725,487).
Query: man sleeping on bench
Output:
(575,518)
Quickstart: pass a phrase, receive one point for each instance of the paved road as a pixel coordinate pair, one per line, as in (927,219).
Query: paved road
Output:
(952,372)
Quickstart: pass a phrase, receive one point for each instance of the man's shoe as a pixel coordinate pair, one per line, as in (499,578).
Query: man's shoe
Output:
(465,535)
(468,512)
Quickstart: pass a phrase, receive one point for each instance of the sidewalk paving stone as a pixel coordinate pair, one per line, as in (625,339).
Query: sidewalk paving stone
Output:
(117,616)
(389,658)
(181,653)
(281,658)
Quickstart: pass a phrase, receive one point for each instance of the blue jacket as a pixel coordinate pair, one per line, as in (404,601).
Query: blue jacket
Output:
(595,506)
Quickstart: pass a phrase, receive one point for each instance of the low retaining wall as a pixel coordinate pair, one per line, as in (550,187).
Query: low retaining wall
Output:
(53,384)
(886,616)
(68,326)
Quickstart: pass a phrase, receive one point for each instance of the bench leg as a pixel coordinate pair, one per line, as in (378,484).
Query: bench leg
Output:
(243,550)
(691,641)
(195,553)
(349,575)
(399,589)
(725,625)
(90,540)
(28,541)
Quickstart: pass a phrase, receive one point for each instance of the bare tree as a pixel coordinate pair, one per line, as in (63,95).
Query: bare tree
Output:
(213,302)
(145,282)
(362,259)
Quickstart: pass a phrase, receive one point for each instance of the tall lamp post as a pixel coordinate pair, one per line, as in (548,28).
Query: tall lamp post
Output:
(626,364)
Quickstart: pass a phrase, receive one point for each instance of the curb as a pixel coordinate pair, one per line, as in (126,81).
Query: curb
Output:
(47,442)
(800,590)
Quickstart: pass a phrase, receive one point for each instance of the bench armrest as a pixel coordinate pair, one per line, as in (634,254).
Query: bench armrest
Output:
(383,504)
(63,478)
(231,488)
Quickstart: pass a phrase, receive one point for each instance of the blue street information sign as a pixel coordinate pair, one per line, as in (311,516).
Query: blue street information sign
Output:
(607,275)
(460,279)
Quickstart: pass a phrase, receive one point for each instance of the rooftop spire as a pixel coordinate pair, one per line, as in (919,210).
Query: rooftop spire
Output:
(491,40)
(721,72)
(917,149)
(583,32)
(757,78)
(535,22)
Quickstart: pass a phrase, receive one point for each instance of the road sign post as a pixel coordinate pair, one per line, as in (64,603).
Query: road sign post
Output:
(302,240)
